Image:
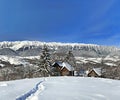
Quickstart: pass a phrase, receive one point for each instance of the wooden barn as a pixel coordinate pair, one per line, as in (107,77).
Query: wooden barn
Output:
(95,72)
(63,69)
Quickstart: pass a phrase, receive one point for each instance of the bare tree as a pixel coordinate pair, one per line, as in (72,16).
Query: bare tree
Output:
(5,74)
(70,58)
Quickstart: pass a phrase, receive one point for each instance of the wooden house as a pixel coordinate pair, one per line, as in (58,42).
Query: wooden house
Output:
(95,72)
(63,69)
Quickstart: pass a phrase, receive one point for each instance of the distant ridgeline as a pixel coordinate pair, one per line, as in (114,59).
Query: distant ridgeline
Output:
(33,48)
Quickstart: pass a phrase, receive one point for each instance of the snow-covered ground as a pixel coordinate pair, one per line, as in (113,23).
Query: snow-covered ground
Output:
(17,60)
(106,60)
(62,88)
(70,88)
(11,90)
(13,59)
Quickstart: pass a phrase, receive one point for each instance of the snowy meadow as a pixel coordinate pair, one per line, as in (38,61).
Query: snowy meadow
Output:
(61,88)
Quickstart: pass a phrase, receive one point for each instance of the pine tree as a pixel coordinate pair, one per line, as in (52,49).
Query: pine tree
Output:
(45,62)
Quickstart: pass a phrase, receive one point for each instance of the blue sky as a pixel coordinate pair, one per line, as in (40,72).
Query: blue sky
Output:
(82,21)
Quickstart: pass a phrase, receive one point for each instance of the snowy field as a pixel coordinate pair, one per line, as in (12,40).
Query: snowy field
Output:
(61,88)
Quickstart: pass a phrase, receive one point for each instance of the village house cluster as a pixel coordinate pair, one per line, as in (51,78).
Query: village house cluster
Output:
(65,69)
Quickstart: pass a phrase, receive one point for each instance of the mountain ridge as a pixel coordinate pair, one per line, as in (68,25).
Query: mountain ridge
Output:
(37,43)
(23,48)
(83,52)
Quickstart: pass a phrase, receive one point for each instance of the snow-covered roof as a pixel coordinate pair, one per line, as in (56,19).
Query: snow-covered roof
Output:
(59,63)
(65,65)
(97,70)
(68,66)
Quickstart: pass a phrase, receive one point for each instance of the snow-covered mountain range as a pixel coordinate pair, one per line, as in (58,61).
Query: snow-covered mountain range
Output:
(14,48)
(14,52)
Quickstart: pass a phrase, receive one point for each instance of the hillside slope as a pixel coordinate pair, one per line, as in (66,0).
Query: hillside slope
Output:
(62,88)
